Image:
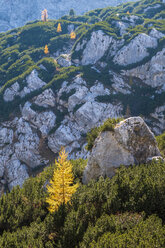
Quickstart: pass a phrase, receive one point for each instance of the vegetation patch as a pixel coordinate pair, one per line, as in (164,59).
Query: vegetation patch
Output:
(65,95)
(161,143)
(109,211)
(139,101)
(108,125)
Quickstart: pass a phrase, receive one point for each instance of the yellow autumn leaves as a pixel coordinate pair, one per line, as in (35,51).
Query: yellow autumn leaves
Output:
(61,186)
(46,50)
(59,29)
(72,34)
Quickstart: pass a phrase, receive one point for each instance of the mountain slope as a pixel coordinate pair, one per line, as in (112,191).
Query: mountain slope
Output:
(114,68)
(16,13)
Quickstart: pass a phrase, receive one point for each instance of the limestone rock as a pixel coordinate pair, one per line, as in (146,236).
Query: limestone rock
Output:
(46,99)
(27,112)
(26,149)
(65,135)
(77,98)
(84,113)
(131,142)
(96,47)
(11,92)
(33,83)
(2,169)
(5,154)
(6,136)
(23,127)
(122,26)
(131,18)
(92,113)
(152,7)
(83,95)
(71,28)
(16,173)
(138,47)
(153,72)
(156,34)
(119,85)
(159,118)
(44,121)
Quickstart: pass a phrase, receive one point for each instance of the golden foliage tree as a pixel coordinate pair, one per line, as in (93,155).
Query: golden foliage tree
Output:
(59,29)
(44,15)
(61,186)
(46,50)
(73,35)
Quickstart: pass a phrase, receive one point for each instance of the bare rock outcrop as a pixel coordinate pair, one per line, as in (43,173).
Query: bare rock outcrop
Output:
(96,47)
(131,142)
(33,82)
(151,73)
(138,47)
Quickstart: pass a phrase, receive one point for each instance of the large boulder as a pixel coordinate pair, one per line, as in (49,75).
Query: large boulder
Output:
(131,142)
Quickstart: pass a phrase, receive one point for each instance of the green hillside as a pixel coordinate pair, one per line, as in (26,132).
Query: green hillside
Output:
(126,211)
(22,49)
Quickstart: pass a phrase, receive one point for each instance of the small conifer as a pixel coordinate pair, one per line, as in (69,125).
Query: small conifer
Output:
(73,35)
(59,29)
(46,50)
(61,186)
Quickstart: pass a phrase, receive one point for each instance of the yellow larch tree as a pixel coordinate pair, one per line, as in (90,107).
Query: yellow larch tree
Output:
(73,35)
(61,186)
(44,15)
(46,50)
(59,29)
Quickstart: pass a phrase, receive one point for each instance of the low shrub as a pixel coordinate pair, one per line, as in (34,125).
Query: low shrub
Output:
(161,143)
(108,125)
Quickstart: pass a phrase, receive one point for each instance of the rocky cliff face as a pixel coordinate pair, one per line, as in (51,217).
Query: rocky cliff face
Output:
(51,101)
(130,143)
(17,13)
(29,141)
